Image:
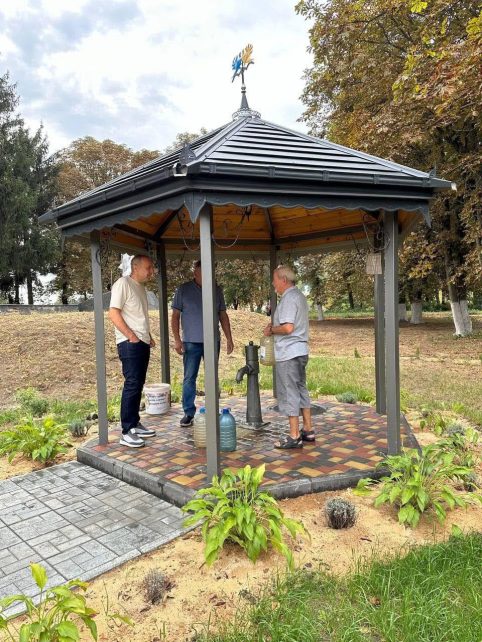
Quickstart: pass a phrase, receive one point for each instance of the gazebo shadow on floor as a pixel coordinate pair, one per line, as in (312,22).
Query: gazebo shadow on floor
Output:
(351,440)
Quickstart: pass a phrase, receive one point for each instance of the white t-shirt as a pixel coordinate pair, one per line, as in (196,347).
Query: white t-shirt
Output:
(130,298)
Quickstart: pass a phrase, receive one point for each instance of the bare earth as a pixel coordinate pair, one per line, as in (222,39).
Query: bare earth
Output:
(55,353)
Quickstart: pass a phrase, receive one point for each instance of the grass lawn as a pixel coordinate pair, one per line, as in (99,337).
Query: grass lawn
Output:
(433,594)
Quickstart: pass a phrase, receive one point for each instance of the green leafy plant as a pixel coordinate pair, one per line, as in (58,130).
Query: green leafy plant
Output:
(434,421)
(41,441)
(56,617)
(347,397)
(32,402)
(113,409)
(235,509)
(418,482)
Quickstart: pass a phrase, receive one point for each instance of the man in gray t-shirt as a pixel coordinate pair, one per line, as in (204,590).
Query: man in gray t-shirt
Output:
(290,327)
(187,311)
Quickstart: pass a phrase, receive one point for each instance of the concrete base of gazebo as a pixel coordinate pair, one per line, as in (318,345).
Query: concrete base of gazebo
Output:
(351,441)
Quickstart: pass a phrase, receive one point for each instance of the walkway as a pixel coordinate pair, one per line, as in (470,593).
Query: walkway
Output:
(78,522)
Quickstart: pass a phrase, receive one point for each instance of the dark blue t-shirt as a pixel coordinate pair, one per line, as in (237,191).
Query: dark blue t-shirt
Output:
(188,300)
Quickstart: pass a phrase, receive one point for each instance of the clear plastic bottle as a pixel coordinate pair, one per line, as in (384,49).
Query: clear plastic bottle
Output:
(266,351)
(227,431)
(200,428)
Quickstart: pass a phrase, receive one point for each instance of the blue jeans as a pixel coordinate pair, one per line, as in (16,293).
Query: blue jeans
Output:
(135,359)
(193,353)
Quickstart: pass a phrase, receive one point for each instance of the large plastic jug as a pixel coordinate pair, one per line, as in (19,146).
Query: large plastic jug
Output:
(200,428)
(227,431)
(266,351)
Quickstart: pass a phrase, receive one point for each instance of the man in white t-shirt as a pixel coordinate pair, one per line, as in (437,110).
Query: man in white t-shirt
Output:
(130,316)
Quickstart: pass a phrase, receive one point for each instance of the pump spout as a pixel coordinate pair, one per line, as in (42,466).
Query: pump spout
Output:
(245,370)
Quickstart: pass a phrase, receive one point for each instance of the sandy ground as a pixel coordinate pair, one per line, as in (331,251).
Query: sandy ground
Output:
(201,595)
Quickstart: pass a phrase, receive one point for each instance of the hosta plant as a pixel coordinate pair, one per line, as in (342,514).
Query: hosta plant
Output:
(39,440)
(419,482)
(57,616)
(234,509)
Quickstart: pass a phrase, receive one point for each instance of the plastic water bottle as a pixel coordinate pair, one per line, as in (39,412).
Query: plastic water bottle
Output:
(227,431)
(200,428)
(266,351)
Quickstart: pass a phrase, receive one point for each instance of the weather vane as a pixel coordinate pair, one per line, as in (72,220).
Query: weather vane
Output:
(240,64)
(242,61)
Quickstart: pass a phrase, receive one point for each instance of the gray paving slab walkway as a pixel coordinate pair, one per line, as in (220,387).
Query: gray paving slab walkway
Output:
(78,522)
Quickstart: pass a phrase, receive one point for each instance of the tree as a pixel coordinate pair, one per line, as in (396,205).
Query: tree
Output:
(245,282)
(85,164)
(183,138)
(312,272)
(402,80)
(26,189)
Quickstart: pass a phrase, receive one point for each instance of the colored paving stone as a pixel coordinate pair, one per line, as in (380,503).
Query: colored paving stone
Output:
(350,441)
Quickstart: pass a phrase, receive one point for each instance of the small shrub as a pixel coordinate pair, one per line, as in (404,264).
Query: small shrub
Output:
(471,482)
(155,586)
(347,397)
(41,441)
(419,482)
(235,509)
(78,427)
(340,513)
(434,421)
(357,354)
(32,402)
(454,429)
(113,409)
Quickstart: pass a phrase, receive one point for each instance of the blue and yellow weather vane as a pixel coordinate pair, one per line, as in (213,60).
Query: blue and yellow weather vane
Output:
(240,63)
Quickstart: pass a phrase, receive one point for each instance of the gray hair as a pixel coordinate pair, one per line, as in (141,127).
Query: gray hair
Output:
(284,271)
(138,258)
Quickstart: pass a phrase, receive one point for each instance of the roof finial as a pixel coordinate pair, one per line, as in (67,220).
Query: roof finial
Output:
(240,64)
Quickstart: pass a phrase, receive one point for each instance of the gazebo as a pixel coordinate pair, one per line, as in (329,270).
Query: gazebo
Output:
(254,187)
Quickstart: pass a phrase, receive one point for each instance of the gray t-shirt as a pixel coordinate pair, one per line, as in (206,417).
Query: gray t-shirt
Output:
(188,300)
(292,308)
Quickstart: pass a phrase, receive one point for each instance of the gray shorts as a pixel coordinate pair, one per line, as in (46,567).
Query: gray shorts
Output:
(291,385)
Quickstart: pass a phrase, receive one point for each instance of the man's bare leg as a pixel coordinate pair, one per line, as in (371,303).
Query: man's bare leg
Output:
(306,412)
(294,427)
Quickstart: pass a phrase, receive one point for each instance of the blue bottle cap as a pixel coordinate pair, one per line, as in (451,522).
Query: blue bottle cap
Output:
(202,410)
(226,411)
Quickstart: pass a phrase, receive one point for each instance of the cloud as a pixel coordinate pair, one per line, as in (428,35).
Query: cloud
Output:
(140,72)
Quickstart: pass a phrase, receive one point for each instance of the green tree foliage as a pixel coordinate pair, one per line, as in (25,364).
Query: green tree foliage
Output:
(26,190)
(85,164)
(246,282)
(402,80)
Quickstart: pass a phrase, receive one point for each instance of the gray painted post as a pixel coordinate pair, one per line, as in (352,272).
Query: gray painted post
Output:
(392,370)
(210,325)
(273,300)
(99,337)
(381,396)
(163,314)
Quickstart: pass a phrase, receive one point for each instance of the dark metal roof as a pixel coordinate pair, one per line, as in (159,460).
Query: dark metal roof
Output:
(257,149)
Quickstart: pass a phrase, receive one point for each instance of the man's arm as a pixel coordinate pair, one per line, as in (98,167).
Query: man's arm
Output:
(284,328)
(226,326)
(117,319)
(175,324)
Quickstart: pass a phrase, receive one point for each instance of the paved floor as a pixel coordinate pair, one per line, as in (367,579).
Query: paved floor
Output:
(78,522)
(351,440)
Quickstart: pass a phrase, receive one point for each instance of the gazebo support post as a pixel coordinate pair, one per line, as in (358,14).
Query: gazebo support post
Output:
(392,366)
(210,325)
(381,395)
(273,300)
(163,313)
(99,337)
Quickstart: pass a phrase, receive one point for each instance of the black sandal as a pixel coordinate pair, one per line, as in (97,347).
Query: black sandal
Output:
(307,435)
(288,442)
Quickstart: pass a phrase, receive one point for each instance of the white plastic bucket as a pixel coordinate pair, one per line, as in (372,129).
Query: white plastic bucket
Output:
(158,398)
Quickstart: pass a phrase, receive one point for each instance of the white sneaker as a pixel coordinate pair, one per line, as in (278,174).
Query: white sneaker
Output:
(142,431)
(131,439)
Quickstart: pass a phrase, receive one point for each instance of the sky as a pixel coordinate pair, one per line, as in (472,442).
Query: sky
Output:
(141,71)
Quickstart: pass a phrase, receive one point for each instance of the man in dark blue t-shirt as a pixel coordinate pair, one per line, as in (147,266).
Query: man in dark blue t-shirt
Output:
(187,311)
